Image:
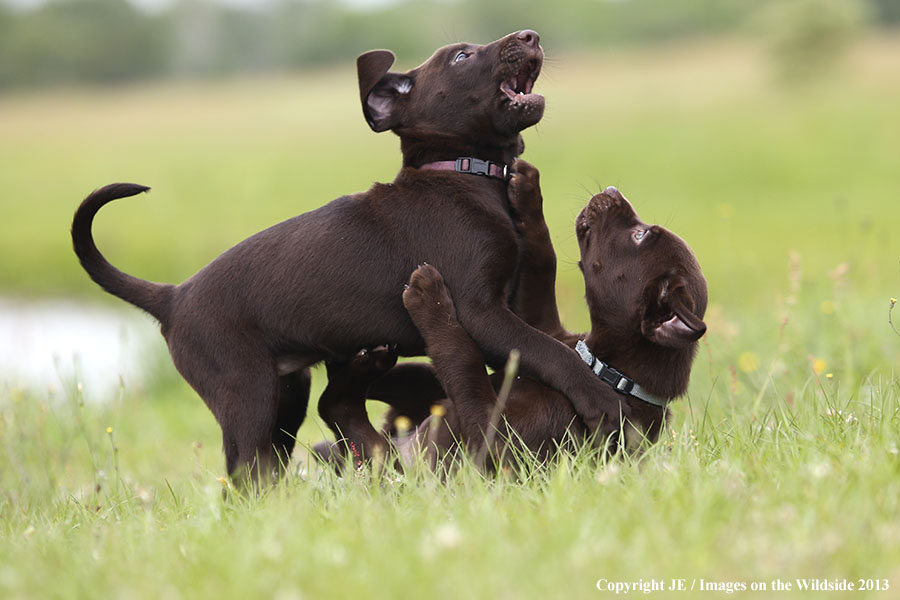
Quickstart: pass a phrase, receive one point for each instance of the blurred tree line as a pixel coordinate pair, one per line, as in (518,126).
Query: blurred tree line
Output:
(53,42)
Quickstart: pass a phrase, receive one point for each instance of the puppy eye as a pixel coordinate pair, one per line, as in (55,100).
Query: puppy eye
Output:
(461,56)
(639,235)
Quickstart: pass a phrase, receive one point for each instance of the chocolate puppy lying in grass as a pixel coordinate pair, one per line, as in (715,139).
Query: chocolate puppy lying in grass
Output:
(646,296)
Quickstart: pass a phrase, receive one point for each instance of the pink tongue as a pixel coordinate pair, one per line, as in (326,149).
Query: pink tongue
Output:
(517,82)
(522,82)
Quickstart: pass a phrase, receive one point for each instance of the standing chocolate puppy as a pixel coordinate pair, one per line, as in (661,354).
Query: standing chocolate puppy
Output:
(324,284)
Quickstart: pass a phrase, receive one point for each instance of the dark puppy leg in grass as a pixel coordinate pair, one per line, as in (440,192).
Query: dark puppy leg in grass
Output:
(293,399)
(343,404)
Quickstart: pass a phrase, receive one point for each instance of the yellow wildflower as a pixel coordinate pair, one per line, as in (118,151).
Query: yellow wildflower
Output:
(819,366)
(748,362)
(403,424)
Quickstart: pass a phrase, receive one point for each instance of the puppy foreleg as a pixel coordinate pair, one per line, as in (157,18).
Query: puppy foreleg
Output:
(457,359)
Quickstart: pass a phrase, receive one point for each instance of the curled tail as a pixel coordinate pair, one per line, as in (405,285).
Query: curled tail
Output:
(155,298)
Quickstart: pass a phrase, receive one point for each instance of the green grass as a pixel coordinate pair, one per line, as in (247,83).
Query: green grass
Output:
(782,462)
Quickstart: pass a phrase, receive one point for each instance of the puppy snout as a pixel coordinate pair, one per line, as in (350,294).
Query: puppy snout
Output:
(529,37)
(611,197)
(608,199)
(613,192)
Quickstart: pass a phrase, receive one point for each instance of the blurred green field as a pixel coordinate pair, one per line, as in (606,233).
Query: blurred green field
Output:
(782,462)
(694,136)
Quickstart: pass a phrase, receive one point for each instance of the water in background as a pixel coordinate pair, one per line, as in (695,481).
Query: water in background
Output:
(48,344)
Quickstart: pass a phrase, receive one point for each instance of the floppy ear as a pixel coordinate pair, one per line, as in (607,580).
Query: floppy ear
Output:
(379,89)
(669,318)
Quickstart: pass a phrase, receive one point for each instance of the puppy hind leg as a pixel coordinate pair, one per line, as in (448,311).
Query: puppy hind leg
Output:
(236,377)
(343,404)
(293,399)
(248,424)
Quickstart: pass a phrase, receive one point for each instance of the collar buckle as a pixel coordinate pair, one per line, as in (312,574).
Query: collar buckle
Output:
(614,379)
(473,166)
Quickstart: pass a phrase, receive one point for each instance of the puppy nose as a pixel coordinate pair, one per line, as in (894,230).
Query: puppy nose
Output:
(609,198)
(529,38)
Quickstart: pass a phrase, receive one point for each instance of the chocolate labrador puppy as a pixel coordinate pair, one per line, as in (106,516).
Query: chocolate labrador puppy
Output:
(646,297)
(244,329)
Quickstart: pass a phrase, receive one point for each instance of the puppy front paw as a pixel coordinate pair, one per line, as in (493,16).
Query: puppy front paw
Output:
(524,192)
(427,299)
(525,170)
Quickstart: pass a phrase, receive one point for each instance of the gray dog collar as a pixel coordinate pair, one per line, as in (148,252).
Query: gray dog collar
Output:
(616,380)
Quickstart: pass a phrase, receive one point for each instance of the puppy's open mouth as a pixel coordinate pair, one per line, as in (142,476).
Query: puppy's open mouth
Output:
(518,86)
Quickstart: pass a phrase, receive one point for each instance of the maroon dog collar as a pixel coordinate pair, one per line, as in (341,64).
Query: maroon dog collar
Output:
(471,166)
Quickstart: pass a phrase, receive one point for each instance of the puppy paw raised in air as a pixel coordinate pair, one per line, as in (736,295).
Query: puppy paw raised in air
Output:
(524,192)
(427,299)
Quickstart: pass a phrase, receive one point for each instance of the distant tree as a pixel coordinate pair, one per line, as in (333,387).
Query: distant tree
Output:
(81,41)
(886,12)
(809,38)
(102,41)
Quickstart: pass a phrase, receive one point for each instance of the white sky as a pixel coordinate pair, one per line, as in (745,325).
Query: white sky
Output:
(159,4)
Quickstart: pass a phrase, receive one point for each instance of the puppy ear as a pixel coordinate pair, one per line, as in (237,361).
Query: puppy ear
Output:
(371,66)
(669,318)
(379,89)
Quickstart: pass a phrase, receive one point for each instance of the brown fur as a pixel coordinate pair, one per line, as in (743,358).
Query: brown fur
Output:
(646,296)
(326,283)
